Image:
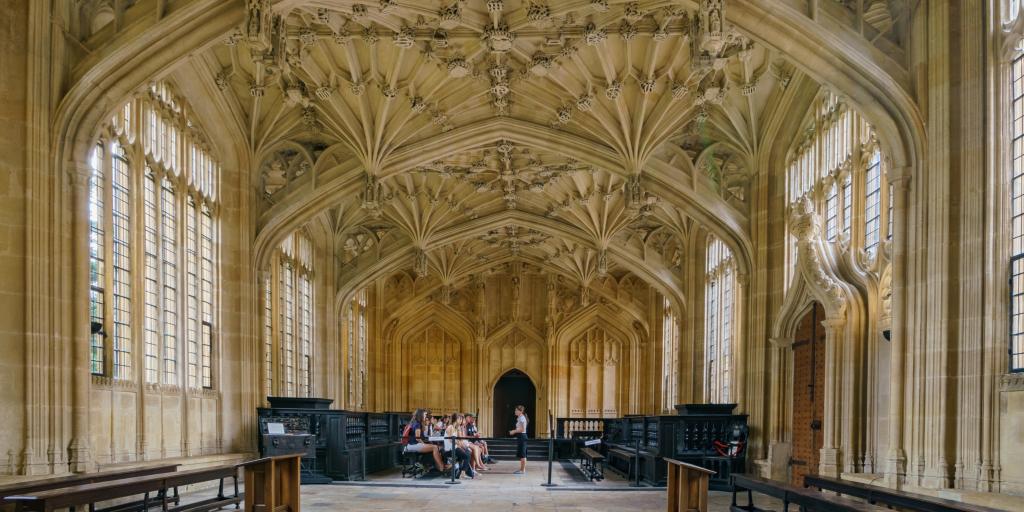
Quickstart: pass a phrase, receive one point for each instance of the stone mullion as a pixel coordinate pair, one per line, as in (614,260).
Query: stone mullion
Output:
(739,348)
(972,247)
(137,205)
(181,220)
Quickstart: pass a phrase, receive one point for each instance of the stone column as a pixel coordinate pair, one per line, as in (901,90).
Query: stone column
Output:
(896,459)
(741,346)
(779,450)
(80,460)
(828,464)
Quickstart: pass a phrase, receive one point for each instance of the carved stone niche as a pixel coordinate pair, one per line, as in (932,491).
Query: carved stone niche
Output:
(728,174)
(283,167)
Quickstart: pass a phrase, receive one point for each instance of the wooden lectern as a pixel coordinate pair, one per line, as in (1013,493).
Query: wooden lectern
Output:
(687,487)
(272,484)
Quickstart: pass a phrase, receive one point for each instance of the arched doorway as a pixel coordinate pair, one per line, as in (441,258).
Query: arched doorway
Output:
(512,389)
(808,394)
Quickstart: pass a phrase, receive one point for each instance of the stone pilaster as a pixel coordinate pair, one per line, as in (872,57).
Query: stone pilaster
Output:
(79,457)
(896,458)
(829,462)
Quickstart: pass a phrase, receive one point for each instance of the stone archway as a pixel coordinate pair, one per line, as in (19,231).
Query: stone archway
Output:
(510,390)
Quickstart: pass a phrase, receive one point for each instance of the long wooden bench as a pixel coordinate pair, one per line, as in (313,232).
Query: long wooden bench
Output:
(806,499)
(591,462)
(616,452)
(903,500)
(158,485)
(57,482)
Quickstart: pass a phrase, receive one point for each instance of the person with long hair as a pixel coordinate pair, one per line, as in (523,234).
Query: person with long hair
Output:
(460,446)
(414,439)
(522,422)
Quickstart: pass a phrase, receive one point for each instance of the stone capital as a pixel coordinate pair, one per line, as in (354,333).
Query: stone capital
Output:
(78,173)
(899,177)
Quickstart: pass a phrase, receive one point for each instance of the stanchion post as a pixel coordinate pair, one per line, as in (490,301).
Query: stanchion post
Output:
(551,452)
(636,467)
(363,474)
(451,458)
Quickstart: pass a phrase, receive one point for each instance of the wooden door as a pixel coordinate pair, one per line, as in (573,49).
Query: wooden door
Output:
(808,395)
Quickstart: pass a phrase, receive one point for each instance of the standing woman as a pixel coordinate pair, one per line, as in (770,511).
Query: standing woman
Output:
(520,434)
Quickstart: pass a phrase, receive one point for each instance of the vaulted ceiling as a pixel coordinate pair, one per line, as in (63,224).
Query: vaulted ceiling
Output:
(443,136)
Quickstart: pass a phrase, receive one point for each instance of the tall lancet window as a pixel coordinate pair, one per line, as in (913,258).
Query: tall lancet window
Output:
(834,163)
(288,319)
(1017,215)
(150,176)
(670,355)
(357,340)
(719,325)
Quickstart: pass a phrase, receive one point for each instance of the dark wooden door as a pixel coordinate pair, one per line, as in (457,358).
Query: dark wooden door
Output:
(512,389)
(808,395)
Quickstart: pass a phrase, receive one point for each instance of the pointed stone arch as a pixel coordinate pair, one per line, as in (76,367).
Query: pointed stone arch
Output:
(595,362)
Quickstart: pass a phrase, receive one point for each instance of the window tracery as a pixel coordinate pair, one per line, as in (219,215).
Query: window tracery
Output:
(719,302)
(838,166)
(152,160)
(1017,214)
(288,352)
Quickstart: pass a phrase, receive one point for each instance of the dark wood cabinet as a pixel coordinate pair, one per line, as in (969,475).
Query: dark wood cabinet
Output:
(706,435)
(348,445)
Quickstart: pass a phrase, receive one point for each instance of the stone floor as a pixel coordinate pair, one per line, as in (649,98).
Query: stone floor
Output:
(495,491)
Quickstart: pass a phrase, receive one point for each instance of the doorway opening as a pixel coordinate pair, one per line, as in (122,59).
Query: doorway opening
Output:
(512,389)
(808,395)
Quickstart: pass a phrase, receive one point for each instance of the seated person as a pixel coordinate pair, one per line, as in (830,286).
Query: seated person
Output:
(414,439)
(472,431)
(461,447)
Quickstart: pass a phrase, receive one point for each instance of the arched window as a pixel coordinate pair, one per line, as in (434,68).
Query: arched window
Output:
(141,166)
(357,339)
(1017,214)
(288,320)
(719,302)
(835,163)
(670,355)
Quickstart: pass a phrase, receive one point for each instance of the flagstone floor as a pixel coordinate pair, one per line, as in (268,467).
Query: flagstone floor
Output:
(497,490)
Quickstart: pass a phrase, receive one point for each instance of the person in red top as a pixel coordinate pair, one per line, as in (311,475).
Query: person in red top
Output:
(414,439)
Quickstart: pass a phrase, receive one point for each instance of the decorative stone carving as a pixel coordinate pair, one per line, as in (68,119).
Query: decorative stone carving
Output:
(499,38)
(593,35)
(514,238)
(405,38)
(451,16)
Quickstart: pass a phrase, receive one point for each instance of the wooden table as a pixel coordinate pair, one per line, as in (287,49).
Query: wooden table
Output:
(272,484)
(687,487)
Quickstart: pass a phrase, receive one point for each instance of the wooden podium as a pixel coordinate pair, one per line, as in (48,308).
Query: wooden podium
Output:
(687,487)
(272,483)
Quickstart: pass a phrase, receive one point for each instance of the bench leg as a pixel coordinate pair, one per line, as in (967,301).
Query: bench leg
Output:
(220,489)
(236,490)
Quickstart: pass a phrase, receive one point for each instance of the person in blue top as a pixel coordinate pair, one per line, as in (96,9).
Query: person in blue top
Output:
(414,439)
(522,422)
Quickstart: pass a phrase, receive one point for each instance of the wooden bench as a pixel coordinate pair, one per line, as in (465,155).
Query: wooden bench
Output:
(901,499)
(806,499)
(58,482)
(628,455)
(592,462)
(158,485)
(687,487)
